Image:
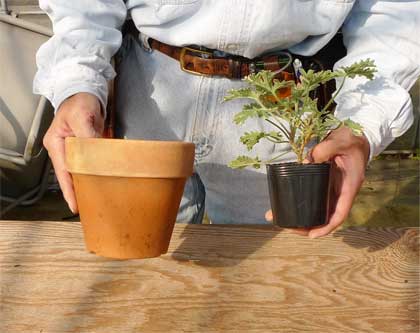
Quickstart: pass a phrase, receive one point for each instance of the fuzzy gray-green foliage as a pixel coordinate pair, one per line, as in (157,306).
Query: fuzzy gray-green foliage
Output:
(306,122)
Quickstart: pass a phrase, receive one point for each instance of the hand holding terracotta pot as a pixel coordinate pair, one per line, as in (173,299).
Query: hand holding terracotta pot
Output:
(79,115)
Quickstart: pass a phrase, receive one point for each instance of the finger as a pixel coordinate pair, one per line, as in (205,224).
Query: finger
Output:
(299,231)
(335,186)
(342,210)
(57,155)
(323,151)
(308,159)
(269,216)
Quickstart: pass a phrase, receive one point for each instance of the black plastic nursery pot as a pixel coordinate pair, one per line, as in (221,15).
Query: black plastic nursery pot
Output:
(299,194)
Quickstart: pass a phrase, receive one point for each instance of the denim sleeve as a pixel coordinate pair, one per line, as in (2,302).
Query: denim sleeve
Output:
(388,33)
(77,58)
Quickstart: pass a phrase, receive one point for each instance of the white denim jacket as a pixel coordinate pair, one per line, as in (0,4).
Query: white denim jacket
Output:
(86,35)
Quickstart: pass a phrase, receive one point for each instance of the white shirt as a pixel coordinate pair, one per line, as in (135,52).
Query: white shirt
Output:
(86,35)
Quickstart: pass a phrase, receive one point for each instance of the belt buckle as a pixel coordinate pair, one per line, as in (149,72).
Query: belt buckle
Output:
(184,50)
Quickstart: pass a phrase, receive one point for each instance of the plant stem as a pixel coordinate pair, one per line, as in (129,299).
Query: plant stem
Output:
(275,157)
(259,102)
(279,127)
(302,148)
(296,151)
(325,108)
(274,93)
(279,121)
(271,139)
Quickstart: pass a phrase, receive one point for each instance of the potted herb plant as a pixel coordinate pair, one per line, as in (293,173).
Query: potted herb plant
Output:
(298,191)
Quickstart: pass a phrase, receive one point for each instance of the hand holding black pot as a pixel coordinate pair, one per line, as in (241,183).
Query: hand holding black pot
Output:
(317,196)
(349,155)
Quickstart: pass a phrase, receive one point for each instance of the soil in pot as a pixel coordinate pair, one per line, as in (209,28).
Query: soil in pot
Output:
(128,193)
(299,194)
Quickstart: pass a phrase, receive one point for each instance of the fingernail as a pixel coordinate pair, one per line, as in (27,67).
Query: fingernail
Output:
(73,208)
(309,158)
(313,235)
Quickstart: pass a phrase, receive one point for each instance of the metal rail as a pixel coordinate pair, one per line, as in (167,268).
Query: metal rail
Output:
(26,25)
(4,9)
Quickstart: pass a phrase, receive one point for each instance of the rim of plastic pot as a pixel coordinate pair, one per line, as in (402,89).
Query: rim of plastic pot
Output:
(295,169)
(129,158)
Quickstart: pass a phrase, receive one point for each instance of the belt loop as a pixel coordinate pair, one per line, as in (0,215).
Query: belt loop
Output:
(144,41)
(235,67)
(252,68)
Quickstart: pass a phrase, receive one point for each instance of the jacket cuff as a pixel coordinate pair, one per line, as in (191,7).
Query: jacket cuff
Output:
(72,80)
(382,119)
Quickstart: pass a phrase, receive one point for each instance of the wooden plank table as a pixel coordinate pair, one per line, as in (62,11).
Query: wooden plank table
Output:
(213,279)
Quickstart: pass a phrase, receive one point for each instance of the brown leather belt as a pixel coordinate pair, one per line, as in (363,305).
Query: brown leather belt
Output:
(207,62)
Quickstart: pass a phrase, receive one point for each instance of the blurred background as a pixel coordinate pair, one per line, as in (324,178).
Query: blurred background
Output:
(29,190)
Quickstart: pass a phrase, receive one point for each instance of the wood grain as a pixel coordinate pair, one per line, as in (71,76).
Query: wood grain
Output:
(214,279)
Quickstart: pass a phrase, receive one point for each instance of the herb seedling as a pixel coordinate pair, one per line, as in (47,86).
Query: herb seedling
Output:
(295,119)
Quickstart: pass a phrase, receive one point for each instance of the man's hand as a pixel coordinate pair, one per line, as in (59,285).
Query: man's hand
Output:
(349,155)
(79,115)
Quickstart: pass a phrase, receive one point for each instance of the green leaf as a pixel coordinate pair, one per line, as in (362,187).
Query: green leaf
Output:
(252,110)
(277,84)
(239,93)
(356,128)
(265,82)
(331,122)
(250,139)
(364,68)
(262,80)
(245,161)
(311,79)
(324,126)
(276,136)
(305,122)
(248,111)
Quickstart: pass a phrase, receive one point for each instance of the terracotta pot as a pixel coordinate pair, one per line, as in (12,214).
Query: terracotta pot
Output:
(128,193)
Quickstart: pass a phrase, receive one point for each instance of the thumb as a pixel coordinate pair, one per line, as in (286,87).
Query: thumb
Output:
(323,151)
(269,216)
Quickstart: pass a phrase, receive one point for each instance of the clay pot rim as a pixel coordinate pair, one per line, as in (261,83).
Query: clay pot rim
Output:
(133,141)
(129,158)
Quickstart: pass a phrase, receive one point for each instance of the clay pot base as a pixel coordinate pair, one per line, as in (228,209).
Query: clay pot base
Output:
(131,218)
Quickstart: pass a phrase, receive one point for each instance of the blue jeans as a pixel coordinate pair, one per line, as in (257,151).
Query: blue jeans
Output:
(156,100)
